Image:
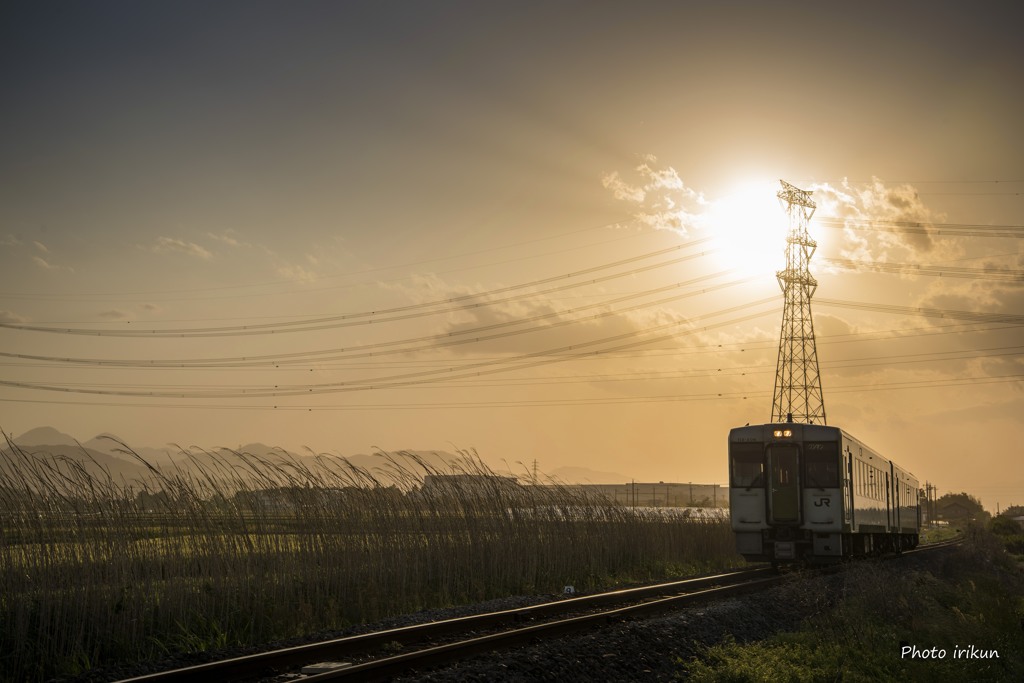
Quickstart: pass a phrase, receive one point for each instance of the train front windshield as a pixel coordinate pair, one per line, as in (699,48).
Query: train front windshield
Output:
(821,464)
(747,461)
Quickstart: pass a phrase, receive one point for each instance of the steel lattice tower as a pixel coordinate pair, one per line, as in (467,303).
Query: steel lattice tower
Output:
(797,395)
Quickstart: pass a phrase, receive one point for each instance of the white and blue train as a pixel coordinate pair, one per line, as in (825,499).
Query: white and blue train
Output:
(802,492)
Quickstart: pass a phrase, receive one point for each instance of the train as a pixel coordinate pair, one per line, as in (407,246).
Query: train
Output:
(813,493)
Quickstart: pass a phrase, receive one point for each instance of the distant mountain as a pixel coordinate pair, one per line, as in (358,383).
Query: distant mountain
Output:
(111,444)
(44,436)
(257,448)
(69,458)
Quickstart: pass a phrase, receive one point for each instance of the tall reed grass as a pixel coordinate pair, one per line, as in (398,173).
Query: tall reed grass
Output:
(239,549)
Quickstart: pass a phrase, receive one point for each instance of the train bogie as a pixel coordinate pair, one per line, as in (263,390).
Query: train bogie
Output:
(812,492)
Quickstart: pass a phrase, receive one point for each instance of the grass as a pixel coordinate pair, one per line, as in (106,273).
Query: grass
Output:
(240,550)
(938,534)
(975,597)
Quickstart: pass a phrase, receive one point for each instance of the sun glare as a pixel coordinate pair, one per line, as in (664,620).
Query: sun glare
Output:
(748,228)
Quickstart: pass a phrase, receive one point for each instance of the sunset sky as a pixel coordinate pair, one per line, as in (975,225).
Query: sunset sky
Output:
(543,230)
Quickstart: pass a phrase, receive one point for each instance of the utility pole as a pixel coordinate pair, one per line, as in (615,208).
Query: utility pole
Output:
(797,396)
(930,492)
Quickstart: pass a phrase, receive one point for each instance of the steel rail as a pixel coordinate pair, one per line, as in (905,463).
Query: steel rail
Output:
(252,666)
(386,668)
(680,594)
(440,654)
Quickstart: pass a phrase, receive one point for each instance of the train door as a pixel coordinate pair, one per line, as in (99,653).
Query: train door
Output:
(888,502)
(896,505)
(848,489)
(784,483)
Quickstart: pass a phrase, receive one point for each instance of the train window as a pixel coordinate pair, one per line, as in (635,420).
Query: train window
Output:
(784,463)
(821,464)
(747,461)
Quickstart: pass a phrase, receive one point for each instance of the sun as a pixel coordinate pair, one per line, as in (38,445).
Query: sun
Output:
(748,229)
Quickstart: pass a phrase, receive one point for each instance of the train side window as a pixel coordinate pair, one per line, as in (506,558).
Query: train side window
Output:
(747,461)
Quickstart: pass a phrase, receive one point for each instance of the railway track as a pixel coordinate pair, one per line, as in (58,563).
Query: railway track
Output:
(384,654)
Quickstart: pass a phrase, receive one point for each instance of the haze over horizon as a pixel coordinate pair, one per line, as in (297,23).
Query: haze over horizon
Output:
(542,231)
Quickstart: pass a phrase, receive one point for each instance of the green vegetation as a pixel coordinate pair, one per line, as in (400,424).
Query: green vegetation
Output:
(938,534)
(1010,532)
(241,550)
(972,598)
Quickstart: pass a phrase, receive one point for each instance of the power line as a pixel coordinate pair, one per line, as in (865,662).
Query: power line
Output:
(872,181)
(429,342)
(1009,318)
(365,271)
(543,403)
(308,356)
(648,376)
(446,382)
(528,360)
(994,274)
(926,228)
(349,319)
(894,334)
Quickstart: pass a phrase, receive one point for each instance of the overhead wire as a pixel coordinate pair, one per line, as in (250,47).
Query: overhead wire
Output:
(890,360)
(449,304)
(545,403)
(122,294)
(973,316)
(428,342)
(652,375)
(395,381)
(994,274)
(1005,231)
(521,361)
(748,345)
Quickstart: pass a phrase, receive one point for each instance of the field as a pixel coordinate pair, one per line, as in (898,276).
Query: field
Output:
(241,550)
(956,617)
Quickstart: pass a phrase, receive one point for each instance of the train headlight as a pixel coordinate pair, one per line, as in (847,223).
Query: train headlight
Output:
(782,433)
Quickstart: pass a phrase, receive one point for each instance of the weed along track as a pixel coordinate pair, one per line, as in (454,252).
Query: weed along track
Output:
(414,649)
(439,642)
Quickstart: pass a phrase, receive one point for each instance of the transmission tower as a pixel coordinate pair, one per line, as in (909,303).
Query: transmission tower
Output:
(797,381)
